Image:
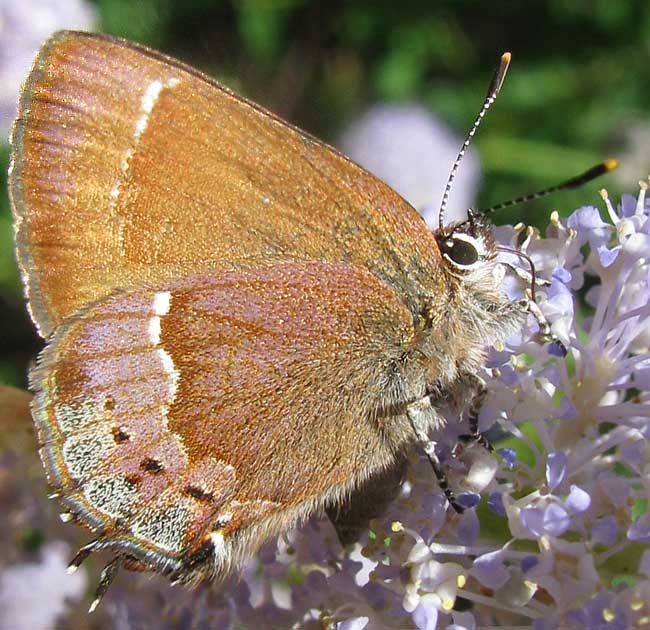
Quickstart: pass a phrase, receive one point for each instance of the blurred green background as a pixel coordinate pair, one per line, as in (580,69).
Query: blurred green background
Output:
(578,90)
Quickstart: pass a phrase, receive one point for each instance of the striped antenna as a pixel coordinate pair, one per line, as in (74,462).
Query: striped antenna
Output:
(493,91)
(574,182)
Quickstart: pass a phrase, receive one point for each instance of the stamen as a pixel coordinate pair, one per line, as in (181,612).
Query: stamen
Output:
(613,217)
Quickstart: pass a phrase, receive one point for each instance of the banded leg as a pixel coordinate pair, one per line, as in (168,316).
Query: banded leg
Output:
(419,414)
(476,385)
(527,276)
(480,392)
(545,334)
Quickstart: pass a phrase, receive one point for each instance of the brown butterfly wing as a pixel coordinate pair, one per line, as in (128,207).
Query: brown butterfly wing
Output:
(130,167)
(231,404)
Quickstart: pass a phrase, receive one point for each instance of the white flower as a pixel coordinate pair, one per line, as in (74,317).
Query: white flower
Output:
(24,26)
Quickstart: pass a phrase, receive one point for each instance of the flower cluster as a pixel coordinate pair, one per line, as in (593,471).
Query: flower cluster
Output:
(558,527)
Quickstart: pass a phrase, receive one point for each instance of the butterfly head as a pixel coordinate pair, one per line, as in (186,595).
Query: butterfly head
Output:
(468,245)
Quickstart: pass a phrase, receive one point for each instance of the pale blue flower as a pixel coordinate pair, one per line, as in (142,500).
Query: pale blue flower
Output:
(550,513)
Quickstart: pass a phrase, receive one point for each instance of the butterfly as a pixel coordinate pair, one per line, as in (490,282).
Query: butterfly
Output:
(244,328)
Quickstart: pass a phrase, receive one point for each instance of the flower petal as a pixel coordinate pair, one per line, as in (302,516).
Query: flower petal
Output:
(578,500)
(556,464)
(556,519)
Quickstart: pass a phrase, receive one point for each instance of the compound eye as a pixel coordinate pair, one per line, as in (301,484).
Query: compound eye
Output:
(460,251)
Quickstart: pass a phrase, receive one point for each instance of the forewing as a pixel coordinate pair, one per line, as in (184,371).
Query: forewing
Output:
(233,404)
(129,167)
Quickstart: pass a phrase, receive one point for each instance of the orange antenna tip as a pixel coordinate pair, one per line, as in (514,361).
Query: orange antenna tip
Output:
(493,91)
(500,74)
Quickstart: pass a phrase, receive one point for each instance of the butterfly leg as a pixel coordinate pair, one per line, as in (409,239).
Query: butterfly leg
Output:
(475,384)
(419,414)
(545,334)
(480,392)
(526,276)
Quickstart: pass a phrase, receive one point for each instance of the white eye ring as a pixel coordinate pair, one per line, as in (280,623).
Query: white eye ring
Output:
(463,251)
